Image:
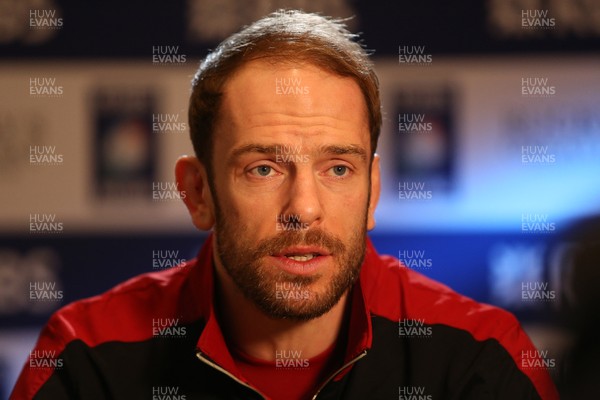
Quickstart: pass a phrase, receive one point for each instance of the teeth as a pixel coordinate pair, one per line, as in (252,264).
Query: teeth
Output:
(302,257)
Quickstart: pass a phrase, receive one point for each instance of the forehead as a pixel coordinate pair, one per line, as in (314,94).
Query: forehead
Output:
(263,92)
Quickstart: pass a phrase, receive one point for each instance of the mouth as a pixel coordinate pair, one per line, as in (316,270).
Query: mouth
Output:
(302,253)
(302,259)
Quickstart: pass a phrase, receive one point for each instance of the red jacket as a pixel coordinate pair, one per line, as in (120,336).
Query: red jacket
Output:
(408,336)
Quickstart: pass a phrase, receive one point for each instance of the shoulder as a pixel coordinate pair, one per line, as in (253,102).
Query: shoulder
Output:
(484,335)
(396,292)
(122,313)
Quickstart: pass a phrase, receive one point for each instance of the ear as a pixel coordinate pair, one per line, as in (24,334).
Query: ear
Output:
(192,181)
(375,191)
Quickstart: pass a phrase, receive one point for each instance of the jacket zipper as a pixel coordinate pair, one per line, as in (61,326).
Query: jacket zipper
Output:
(220,369)
(343,367)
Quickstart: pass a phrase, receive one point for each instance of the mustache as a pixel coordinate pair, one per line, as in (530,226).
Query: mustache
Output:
(312,237)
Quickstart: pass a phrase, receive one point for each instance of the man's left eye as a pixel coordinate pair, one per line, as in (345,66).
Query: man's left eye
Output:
(339,170)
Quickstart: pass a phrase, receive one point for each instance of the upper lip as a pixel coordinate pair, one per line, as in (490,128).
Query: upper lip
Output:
(300,250)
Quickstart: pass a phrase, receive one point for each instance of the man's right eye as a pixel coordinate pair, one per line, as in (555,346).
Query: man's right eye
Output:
(262,170)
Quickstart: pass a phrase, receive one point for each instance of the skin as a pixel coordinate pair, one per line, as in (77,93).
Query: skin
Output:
(328,190)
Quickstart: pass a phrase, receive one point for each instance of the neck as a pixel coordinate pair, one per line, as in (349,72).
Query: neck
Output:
(251,331)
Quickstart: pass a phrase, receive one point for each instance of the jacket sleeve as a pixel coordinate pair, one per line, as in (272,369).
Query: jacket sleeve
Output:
(45,365)
(492,376)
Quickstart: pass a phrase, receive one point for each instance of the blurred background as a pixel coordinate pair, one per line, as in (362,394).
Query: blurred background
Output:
(490,150)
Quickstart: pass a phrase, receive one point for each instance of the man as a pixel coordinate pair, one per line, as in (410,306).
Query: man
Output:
(287,299)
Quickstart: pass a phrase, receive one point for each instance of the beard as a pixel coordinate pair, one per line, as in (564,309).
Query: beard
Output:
(280,294)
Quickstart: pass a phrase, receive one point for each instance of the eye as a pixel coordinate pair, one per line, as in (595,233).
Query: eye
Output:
(339,170)
(262,170)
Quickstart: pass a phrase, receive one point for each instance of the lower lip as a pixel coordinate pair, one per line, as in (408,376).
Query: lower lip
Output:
(300,267)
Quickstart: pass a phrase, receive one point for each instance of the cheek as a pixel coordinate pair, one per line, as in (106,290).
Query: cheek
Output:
(351,204)
(257,213)
(346,215)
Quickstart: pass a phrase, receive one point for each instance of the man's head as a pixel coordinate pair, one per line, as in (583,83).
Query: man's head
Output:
(284,118)
(289,36)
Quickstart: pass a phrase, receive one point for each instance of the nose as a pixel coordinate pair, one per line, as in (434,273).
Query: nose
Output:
(303,196)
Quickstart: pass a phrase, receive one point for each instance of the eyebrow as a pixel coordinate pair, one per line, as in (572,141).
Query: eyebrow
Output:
(255,148)
(350,149)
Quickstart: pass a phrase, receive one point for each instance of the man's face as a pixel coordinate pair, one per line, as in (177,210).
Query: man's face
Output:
(291,186)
